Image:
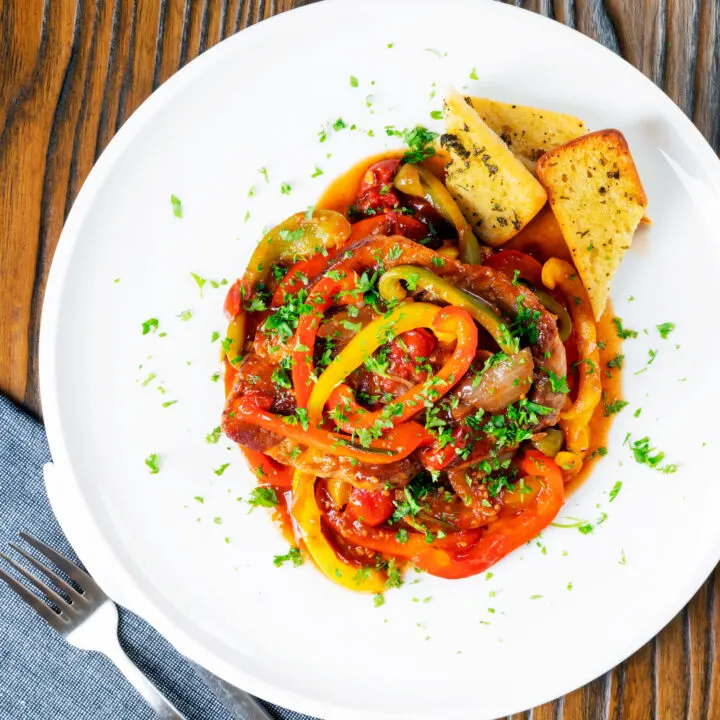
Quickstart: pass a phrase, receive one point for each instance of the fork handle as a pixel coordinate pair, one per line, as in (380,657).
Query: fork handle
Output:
(157,701)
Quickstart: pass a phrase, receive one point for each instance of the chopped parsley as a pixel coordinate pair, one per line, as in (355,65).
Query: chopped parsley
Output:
(176,206)
(200,282)
(339,124)
(153,463)
(318,172)
(436,114)
(263,496)
(185,315)
(524,326)
(293,555)
(150,325)
(558,384)
(516,425)
(353,81)
(623,333)
(284,320)
(617,361)
(611,408)
(213,436)
(285,188)
(474,75)
(665,329)
(219,471)
(647,455)
(379,598)
(615,490)
(419,141)
(263,171)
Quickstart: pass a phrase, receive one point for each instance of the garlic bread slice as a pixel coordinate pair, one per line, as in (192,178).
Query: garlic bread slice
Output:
(494,190)
(597,197)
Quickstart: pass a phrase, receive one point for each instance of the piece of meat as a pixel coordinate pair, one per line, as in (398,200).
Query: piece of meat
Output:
(254,377)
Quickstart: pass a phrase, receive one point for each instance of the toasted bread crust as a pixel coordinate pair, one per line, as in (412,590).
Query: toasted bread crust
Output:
(596,195)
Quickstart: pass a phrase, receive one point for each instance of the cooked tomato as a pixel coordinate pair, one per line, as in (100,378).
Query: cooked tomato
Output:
(371,507)
(376,189)
(409,351)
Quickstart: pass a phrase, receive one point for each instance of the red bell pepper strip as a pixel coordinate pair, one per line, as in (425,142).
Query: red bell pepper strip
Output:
(396,445)
(267,470)
(508,533)
(509,261)
(468,552)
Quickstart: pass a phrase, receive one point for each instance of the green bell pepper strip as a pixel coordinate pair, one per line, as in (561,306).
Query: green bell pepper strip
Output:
(419,182)
(415,277)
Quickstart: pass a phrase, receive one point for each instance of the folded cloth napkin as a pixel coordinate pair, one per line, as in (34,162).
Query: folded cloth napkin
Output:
(41,676)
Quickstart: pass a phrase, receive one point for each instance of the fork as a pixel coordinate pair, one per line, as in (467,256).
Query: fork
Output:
(88,619)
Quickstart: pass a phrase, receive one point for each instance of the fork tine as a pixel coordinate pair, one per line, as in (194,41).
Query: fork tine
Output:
(57,622)
(86,583)
(59,601)
(66,587)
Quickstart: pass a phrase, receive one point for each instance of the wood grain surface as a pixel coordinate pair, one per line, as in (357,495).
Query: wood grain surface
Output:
(72,72)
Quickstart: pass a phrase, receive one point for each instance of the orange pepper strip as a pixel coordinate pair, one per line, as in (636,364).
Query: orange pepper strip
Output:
(574,421)
(469,552)
(396,445)
(446,321)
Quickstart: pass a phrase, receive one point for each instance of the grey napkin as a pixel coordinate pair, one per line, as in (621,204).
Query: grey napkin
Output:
(41,676)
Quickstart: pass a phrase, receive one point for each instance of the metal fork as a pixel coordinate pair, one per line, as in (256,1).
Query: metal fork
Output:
(88,619)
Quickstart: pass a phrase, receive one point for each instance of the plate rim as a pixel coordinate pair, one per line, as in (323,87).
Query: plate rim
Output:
(68,501)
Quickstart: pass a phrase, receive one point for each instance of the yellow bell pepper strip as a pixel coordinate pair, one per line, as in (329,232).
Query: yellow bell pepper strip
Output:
(308,517)
(396,445)
(417,181)
(391,288)
(574,421)
(450,321)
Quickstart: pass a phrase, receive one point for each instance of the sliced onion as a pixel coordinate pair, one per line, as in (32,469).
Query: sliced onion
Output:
(500,385)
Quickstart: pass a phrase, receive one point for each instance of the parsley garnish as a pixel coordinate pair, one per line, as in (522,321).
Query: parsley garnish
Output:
(185,315)
(285,188)
(419,141)
(293,555)
(150,325)
(339,124)
(524,326)
(611,408)
(557,384)
(379,598)
(353,81)
(284,320)
(623,333)
(200,282)
(647,455)
(219,471)
(436,114)
(263,496)
(153,463)
(213,436)
(665,329)
(176,206)
(615,490)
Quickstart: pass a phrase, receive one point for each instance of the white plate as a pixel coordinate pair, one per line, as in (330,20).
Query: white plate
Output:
(258,100)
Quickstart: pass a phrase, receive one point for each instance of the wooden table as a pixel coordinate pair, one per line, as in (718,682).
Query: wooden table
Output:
(72,72)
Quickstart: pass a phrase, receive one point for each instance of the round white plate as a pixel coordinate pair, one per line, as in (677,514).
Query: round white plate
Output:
(181,548)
